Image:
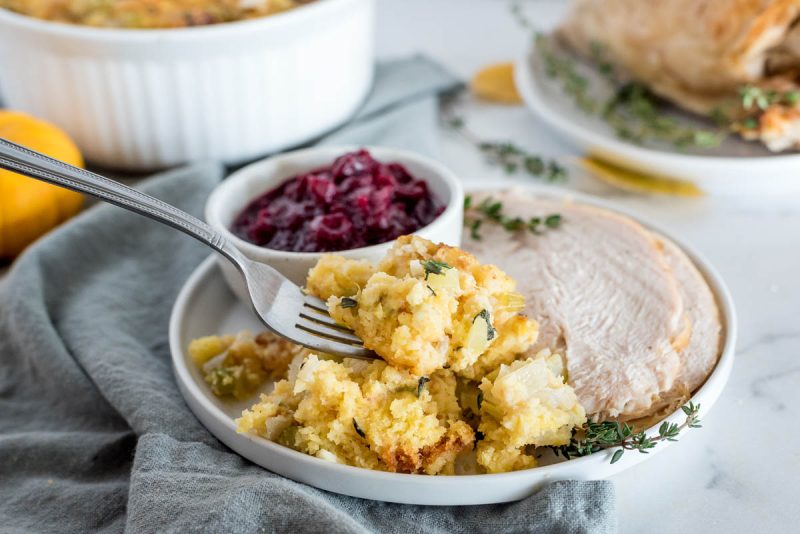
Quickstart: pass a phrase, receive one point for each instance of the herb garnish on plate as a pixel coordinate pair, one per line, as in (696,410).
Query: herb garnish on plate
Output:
(509,156)
(491,210)
(594,437)
(633,111)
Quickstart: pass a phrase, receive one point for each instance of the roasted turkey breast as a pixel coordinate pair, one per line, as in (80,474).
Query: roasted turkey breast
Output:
(700,54)
(605,296)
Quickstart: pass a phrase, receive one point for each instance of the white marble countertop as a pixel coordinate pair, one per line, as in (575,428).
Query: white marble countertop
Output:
(741,471)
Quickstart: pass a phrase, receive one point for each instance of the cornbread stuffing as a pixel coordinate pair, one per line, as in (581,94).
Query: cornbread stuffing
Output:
(148,14)
(453,378)
(239,365)
(367,414)
(525,404)
(428,307)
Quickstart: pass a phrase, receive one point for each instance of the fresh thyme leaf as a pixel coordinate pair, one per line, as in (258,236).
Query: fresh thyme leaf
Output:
(421,384)
(534,165)
(484,314)
(553,221)
(348,302)
(358,429)
(434,267)
(467,202)
(750,123)
(753,96)
(431,290)
(456,123)
(491,209)
(474,227)
(594,437)
(512,224)
(479,399)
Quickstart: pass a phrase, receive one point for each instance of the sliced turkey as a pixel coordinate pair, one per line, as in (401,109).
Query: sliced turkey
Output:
(604,295)
(702,351)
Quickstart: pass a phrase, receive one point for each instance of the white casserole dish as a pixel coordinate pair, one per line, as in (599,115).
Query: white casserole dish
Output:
(147,99)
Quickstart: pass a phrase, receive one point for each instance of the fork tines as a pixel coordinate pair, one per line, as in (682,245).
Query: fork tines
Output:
(316,320)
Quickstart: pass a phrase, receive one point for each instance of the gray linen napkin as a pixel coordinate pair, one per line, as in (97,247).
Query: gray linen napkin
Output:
(94,435)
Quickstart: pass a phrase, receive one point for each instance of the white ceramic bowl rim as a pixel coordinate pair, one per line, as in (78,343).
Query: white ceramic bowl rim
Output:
(398,155)
(318,8)
(523,76)
(725,362)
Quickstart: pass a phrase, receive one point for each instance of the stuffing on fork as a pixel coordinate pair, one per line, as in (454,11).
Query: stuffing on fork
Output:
(428,307)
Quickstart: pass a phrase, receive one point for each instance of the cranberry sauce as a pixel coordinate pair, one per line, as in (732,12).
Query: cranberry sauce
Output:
(355,202)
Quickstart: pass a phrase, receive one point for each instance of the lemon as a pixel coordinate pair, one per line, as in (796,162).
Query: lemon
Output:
(495,83)
(29,208)
(639,182)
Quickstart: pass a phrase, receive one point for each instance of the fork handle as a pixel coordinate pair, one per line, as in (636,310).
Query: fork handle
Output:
(16,158)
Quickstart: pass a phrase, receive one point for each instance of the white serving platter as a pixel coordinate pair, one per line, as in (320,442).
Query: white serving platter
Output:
(735,167)
(207,306)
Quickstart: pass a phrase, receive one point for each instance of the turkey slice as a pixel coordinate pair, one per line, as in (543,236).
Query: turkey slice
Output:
(703,349)
(604,296)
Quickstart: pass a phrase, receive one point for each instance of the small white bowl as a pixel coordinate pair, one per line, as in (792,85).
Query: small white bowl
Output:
(243,186)
(146,99)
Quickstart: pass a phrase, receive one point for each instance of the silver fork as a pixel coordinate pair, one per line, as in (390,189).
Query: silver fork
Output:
(281,305)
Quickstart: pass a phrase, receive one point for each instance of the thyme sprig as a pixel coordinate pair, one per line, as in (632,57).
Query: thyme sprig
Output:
(509,156)
(635,114)
(594,437)
(564,70)
(491,210)
(633,111)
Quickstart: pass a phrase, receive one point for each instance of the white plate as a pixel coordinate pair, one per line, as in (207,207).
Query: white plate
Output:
(735,167)
(206,306)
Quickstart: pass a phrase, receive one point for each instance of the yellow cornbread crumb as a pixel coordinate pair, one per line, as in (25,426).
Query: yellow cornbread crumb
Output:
(335,275)
(427,307)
